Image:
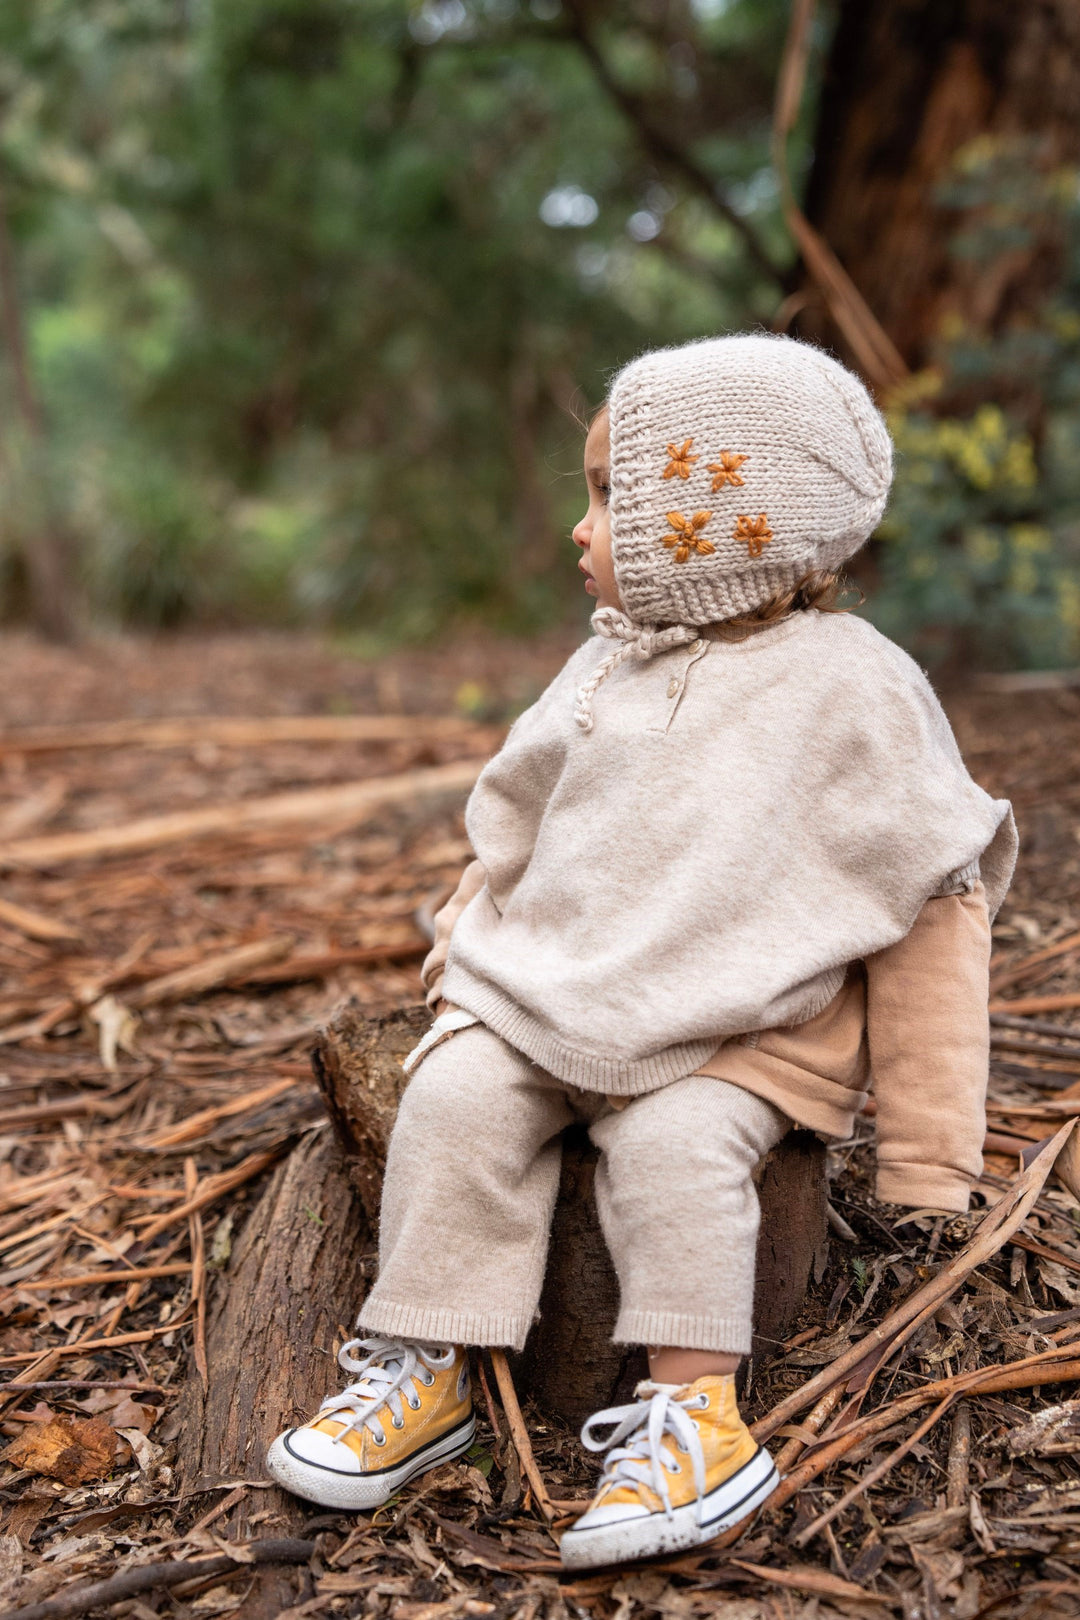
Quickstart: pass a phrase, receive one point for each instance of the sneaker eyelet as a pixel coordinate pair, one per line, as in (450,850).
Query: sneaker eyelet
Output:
(428,1381)
(414,1406)
(377,1441)
(675,1468)
(397,1423)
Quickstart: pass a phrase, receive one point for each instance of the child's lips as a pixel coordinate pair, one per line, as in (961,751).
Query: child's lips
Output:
(590,583)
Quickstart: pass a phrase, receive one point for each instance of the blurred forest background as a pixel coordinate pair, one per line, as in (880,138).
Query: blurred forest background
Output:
(299,297)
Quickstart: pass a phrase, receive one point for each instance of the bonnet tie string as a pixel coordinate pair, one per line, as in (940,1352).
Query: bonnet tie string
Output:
(640,641)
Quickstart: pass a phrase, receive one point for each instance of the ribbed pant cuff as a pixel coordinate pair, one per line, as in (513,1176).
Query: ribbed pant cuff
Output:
(500,1329)
(725,1335)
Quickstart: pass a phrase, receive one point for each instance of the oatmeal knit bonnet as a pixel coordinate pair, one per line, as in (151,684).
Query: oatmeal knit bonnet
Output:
(738,466)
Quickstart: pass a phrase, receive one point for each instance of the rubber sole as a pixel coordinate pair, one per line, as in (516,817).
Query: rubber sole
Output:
(691,1526)
(331,1487)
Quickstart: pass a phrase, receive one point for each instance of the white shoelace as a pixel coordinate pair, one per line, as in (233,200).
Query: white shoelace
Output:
(387,1375)
(643,1426)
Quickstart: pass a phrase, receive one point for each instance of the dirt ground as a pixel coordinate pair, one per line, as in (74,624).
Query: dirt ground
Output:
(171,932)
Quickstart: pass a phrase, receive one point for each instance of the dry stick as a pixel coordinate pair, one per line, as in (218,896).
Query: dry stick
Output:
(242,732)
(956,1489)
(82,1345)
(1001,1221)
(196,1124)
(1030,1373)
(811,1426)
(353,799)
(319,965)
(1034,1026)
(211,972)
(213,1187)
(1004,977)
(144,1577)
(34,925)
(873,1476)
(1045,1252)
(82,1278)
(1037,1004)
(198,1269)
(519,1433)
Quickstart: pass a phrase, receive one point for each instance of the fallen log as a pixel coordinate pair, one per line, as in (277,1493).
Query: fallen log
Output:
(570,1366)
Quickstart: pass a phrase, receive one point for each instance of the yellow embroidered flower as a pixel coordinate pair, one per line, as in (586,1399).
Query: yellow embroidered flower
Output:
(727,469)
(687,536)
(679,465)
(755,531)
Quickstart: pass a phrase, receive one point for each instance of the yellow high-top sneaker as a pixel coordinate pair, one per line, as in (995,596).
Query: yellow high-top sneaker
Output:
(409,1409)
(682,1466)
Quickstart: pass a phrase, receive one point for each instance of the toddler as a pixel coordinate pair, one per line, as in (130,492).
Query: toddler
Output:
(730,866)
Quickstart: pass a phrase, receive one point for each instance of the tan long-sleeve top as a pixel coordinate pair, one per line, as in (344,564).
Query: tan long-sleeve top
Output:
(910,1023)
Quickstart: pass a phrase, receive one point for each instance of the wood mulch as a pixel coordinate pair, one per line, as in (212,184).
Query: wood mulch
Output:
(206,844)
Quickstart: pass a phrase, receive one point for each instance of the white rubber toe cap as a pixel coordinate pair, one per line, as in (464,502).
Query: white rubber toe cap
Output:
(317,1450)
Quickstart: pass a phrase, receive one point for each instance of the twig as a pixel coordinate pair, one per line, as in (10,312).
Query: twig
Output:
(210,972)
(80,1346)
(81,1279)
(1027,1374)
(198,1269)
(519,1433)
(873,1476)
(99,1595)
(213,1188)
(187,731)
(956,1489)
(34,925)
(862,1359)
(1037,1004)
(811,1425)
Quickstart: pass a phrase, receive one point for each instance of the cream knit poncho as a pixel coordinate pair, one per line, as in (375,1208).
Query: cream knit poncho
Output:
(742,821)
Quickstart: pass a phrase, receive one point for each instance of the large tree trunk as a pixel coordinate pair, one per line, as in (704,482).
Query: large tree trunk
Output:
(570,1365)
(908,84)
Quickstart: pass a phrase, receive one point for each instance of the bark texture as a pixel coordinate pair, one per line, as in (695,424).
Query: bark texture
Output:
(570,1365)
(908,85)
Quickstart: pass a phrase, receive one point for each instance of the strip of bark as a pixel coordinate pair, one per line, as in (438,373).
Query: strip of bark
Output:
(189,731)
(862,1360)
(354,800)
(210,973)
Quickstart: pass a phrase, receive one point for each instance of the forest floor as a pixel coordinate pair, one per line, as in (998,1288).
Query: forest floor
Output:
(190,886)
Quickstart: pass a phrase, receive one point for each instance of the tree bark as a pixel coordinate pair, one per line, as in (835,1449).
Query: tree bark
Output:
(570,1366)
(286,1301)
(908,84)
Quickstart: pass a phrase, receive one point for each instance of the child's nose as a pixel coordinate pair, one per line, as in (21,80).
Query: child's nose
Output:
(580,533)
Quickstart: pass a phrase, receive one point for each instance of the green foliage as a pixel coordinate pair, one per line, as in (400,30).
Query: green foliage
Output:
(309,286)
(980,553)
(311,283)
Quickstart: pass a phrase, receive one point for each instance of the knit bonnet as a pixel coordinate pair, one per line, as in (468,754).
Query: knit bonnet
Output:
(738,465)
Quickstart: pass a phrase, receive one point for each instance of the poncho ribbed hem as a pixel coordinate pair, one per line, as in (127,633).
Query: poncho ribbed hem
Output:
(614,1077)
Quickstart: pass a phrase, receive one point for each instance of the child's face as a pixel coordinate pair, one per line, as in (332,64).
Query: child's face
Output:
(593,533)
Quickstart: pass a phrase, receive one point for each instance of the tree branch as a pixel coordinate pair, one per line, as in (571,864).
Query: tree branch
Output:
(660,145)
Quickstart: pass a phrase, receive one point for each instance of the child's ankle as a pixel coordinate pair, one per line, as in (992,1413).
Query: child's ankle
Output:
(668,1365)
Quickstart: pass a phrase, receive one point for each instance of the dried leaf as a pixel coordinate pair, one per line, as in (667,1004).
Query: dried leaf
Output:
(116,1030)
(69,1449)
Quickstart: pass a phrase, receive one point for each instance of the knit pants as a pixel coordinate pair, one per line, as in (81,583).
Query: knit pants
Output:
(471,1178)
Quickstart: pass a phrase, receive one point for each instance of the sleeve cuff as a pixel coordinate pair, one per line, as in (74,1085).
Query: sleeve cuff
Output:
(919,1186)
